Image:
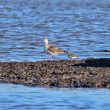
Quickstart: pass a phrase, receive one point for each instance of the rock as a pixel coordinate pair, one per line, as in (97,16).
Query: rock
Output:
(63,73)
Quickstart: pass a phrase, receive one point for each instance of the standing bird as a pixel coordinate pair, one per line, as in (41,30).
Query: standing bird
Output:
(52,50)
(70,55)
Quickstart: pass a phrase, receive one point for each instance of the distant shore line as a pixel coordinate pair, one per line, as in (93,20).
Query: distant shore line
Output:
(89,73)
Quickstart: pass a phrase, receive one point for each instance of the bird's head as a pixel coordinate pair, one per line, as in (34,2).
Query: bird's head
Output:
(45,40)
(46,44)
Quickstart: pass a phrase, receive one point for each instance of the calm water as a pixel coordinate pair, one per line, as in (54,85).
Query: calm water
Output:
(13,97)
(80,26)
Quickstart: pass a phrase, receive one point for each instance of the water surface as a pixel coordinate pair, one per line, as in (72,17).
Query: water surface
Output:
(17,97)
(79,26)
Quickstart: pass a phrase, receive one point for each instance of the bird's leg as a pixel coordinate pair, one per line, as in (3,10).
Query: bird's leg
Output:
(51,57)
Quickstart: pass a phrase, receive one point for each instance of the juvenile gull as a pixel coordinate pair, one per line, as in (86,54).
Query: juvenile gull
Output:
(52,50)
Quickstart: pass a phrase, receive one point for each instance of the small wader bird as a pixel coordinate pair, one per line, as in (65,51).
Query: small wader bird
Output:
(71,56)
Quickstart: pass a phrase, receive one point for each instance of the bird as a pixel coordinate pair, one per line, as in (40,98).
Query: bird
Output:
(71,56)
(51,49)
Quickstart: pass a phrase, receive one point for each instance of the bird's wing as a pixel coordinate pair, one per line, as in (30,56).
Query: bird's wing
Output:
(55,50)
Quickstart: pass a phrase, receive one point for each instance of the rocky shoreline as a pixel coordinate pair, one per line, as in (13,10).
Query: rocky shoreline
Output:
(89,73)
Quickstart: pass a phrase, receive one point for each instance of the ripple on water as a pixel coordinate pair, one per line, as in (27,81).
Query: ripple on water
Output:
(80,27)
(15,97)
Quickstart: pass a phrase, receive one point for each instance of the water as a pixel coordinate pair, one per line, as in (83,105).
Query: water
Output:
(16,97)
(80,26)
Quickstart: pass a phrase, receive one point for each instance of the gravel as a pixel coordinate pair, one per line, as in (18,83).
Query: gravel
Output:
(88,73)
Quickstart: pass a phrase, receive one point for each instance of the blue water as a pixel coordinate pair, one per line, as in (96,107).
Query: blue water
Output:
(79,26)
(17,97)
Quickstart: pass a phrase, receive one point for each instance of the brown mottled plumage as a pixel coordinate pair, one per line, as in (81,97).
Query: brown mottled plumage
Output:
(55,50)
(52,50)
